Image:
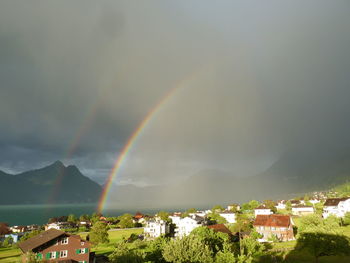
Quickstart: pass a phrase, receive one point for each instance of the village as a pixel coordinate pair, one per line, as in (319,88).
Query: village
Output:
(69,239)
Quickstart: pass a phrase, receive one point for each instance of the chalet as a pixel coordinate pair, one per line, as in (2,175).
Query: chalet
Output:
(57,246)
(302,210)
(336,206)
(262,210)
(155,228)
(268,226)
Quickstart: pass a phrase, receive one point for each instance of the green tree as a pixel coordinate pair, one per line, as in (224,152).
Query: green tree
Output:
(346,219)
(217,208)
(214,240)
(191,210)
(271,205)
(226,255)
(163,215)
(189,249)
(289,206)
(72,218)
(251,205)
(98,233)
(217,218)
(319,208)
(250,247)
(155,250)
(243,224)
(126,221)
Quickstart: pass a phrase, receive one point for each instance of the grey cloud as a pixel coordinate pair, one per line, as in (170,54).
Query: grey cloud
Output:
(266,77)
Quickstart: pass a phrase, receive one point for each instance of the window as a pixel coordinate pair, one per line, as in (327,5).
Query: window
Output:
(63,253)
(82,243)
(273,228)
(64,241)
(52,255)
(82,251)
(261,228)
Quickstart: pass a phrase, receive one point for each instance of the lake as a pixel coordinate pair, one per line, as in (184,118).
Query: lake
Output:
(40,214)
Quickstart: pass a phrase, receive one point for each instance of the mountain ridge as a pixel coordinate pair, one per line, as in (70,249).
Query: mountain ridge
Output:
(55,183)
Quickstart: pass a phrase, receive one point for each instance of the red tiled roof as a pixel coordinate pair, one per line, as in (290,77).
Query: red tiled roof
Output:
(272,220)
(220,228)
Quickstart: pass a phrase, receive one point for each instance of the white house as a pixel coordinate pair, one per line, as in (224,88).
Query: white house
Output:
(229,216)
(281,204)
(184,226)
(336,206)
(156,228)
(262,210)
(56,226)
(302,210)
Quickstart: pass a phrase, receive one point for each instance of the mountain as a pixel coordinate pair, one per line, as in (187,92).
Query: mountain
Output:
(55,183)
(296,172)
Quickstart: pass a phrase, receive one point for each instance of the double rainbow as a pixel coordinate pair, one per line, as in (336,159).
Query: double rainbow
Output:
(131,140)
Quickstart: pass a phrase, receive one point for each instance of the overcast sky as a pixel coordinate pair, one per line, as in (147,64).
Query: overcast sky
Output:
(257,77)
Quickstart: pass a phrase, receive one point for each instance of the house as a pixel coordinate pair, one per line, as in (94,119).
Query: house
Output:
(281,204)
(302,210)
(336,206)
(184,226)
(156,228)
(18,229)
(262,210)
(59,225)
(268,226)
(57,246)
(229,216)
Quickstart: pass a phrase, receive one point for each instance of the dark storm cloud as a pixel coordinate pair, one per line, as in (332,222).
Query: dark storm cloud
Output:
(78,77)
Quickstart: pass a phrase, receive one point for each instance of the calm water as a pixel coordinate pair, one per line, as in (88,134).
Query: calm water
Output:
(40,214)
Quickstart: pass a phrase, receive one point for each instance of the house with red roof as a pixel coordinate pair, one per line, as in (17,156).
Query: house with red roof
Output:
(280,226)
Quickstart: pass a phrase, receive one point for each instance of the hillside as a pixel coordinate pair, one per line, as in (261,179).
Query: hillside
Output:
(55,183)
(295,173)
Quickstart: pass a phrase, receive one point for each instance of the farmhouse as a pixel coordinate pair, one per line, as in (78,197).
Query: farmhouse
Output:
(58,246)
(280,226)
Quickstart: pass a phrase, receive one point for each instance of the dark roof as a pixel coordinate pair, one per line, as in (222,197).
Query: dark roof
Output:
(334,201)
(40,239)
(262,207)
(302,206)
(220,228)
(272,220)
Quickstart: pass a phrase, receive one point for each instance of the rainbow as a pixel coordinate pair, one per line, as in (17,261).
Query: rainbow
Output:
(131,140)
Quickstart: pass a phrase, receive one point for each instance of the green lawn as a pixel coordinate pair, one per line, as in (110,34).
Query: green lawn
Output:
(114,237)
(9,255)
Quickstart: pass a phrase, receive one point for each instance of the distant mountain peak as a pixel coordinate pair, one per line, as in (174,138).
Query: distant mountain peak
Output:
(58,163)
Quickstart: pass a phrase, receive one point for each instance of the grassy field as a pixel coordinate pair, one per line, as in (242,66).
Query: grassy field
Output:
(9,255)
(114,237)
